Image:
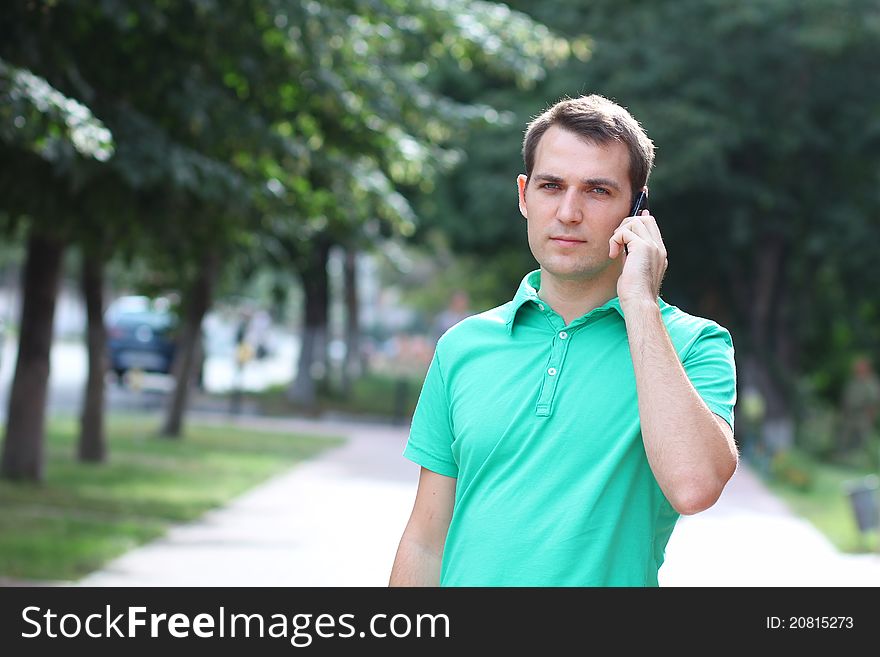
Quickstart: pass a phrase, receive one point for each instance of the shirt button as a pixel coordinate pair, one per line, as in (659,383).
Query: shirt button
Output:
(552,371)
(563,335)
(541,306)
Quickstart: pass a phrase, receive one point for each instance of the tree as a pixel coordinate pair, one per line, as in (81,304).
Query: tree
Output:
(301,116)
(42,132)
(377,127)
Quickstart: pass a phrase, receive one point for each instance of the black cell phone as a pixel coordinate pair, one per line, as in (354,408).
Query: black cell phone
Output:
(640,204)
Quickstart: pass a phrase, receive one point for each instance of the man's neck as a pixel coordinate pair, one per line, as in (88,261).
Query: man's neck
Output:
(574,298)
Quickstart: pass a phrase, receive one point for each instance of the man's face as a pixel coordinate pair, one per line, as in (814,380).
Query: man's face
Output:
(576,197)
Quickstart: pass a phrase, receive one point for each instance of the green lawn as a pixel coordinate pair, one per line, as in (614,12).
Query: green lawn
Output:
(83,515)
(824,501)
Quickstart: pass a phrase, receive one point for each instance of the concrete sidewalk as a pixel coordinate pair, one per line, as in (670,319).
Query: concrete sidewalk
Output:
(751,538)
(335,521)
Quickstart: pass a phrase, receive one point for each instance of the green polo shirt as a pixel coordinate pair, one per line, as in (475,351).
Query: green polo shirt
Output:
(539,423)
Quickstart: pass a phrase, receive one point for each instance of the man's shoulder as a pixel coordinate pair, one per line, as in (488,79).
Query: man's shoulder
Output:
(685,327)
(476,328)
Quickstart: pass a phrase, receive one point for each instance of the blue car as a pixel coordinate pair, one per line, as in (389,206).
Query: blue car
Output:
(141,335)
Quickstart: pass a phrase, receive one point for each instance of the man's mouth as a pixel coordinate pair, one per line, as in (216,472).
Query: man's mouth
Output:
(563,240)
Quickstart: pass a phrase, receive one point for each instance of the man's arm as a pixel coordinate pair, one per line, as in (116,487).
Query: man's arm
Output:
(417,562)
(690,449)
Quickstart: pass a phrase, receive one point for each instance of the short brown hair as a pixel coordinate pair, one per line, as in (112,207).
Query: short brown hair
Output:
(597,120)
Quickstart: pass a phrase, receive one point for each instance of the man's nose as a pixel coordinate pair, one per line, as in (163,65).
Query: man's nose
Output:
(569,210)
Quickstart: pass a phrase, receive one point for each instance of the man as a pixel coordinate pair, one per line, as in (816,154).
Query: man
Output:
(562,434)
(859,407)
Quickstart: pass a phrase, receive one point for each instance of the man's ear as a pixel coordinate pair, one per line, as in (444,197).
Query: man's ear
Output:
(522,182)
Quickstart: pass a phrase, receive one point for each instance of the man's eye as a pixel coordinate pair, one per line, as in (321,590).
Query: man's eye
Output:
(550,186)
(600,190)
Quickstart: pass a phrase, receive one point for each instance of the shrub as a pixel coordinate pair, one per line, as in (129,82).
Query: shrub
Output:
(794,469)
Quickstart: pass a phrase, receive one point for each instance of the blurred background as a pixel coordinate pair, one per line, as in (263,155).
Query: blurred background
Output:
(275,207)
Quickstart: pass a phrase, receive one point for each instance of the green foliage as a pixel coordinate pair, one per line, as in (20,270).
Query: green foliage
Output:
(255,126)
(794,469)
(38,118)
(86,515)
(374,396)
(817,427)
(435,276)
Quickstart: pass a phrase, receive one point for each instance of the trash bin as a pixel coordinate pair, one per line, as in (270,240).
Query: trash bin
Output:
(863,496)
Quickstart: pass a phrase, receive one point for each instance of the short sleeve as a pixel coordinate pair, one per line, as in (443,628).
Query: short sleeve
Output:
(711,367)
(431,435)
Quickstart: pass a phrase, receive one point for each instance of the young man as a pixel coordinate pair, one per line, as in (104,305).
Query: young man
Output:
(562,434)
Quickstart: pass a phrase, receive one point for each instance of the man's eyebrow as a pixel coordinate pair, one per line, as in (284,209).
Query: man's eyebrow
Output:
(548,177)
(589,182)
(600,182)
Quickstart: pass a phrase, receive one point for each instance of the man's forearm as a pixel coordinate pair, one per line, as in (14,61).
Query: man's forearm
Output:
(688,451)
(415,565)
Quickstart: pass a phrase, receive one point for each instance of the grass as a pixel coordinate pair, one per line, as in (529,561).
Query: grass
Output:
(816,491)
(84,514)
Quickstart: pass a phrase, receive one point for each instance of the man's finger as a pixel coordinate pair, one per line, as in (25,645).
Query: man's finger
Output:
(650,222)
(619,241)
(640,227)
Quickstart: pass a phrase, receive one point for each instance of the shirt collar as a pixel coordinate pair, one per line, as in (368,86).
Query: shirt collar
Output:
(528,291)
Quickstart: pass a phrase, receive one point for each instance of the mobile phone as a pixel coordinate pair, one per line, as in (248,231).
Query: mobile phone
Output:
(640,204)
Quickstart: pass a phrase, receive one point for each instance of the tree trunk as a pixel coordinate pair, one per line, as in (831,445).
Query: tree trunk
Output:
(312,356)
(763,292)
(92,439)
(188,349)
(352,366)
(785,334)
(23,443)
(757,292)
(766,301)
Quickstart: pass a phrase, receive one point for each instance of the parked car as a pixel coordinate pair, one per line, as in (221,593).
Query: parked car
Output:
(141,335)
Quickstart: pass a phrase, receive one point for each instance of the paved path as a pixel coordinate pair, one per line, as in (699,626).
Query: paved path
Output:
(335,521)
(751,538)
